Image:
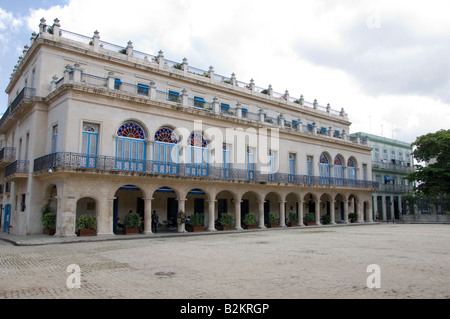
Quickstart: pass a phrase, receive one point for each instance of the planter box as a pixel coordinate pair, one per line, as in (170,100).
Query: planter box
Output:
(292,224)
(86,232)
(131,231)
(272,225)
(49,232)
(226,227)
(196,228)
(250,226)
(310,224)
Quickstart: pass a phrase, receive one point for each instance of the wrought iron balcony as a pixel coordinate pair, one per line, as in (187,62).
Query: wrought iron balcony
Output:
(7,155)
(395,188)
(393,166)
(113,165)
(17,169)
(25,95)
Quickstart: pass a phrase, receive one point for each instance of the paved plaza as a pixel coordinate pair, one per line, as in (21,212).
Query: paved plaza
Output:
(291,263)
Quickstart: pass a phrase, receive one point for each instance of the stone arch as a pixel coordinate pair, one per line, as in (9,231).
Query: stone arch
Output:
(339,201)
(310,201)
(272,202)
(127,198)
(191,206)
(165,203)
(325,207)
(86,205)
(250,204)
(225,201)
(293,202)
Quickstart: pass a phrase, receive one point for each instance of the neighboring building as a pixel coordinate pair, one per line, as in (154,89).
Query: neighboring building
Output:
(94,128)
(391,162)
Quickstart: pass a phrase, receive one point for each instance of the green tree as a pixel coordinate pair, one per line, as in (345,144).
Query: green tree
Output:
(434,178)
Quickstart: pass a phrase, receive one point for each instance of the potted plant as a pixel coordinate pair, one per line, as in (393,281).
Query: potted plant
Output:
(310,219)
(86,225)
(293,219)
(249,221)
(326,219)
(196,223)
(226,221)
(178,66)
(48,219)
(273,220)
(132,222)
(353,217)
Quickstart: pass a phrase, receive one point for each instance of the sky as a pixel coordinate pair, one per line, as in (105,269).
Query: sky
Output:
(385,62)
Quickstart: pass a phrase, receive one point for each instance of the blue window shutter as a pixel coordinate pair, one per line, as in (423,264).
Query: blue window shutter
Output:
(117,83)
(143,89)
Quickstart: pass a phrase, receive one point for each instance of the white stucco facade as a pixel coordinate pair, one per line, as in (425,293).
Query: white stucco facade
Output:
(91,130)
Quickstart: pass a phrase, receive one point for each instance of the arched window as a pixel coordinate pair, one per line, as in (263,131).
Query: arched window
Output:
(351,163)
(130,147)
(338,171)
(197,155)
(131,130)
(165,151)
(377,154)
(351,172)
(324,166)
(324,159)
(197,140)
(166,135)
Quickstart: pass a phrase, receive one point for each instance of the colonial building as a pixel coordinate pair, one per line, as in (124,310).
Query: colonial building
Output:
(96,128)
(391,162)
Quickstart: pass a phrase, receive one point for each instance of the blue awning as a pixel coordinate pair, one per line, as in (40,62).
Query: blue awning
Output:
(199,99)
(387,179)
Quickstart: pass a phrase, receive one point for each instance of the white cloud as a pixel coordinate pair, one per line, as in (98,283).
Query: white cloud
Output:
(9,26)
(386,75)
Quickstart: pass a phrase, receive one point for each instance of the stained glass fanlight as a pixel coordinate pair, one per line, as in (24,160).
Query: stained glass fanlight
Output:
(91,128)
(350,162)
(197,140)
(324,159)
(131,130)
(338,161)
(166,135)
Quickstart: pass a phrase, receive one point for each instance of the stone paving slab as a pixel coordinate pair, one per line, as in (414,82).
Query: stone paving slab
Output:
(290,263)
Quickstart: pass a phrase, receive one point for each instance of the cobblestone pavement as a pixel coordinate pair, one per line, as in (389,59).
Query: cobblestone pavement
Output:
(299,263)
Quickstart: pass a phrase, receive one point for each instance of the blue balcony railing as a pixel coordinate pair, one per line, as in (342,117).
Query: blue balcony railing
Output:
(109,164)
